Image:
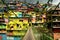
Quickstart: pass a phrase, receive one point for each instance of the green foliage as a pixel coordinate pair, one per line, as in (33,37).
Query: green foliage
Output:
(37,2)
(46,37)
(36,9)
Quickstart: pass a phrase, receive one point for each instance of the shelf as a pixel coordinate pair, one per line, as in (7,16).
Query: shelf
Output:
(56,15)
(56,27)
(2,28)
(12,3)
(21,9)
(17,30)
(38,22)
(55,10)
(2,5)
(3,23)
(15,35)
(37,27)
(1,13)
(56,21)
(18,17)
(2,32)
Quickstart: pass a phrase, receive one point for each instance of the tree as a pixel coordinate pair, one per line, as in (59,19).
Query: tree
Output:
(36,9)
(57,5)
(37,2)
(49,1)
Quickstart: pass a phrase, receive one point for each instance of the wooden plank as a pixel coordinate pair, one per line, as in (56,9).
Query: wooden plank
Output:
(29,35)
